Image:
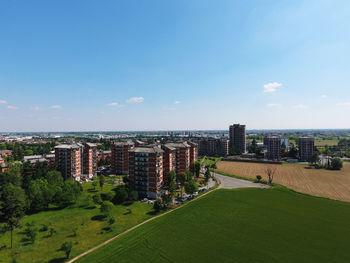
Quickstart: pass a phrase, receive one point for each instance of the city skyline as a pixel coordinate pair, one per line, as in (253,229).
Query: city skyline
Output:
(184,65)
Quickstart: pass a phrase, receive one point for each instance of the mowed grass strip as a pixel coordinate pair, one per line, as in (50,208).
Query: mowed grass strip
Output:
(89,229)
(299,177)
(245,225)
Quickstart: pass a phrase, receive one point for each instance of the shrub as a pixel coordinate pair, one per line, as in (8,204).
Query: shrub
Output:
(157,205)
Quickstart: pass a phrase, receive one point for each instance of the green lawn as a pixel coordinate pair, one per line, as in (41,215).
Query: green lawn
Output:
(210,160)
(89,230)
(245,225)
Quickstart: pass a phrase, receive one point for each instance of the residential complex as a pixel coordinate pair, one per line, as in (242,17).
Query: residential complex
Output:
(273,147)
(146,170)
(120,156)
(237,134)
(306,148)
(213,147)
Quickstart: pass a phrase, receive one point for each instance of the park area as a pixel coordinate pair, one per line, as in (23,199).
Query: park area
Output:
(82,224)
(299,177)
(242,225)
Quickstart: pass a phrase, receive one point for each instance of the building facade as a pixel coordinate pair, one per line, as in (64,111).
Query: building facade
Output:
(193,151)
(182,155)
(169,160)
(146,170)
(68,160)
(89,159)
(273,147)
(306,148)
(120,156)
(237,134)
(213,147)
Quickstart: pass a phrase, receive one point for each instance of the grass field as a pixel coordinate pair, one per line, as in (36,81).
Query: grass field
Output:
(244,225)
(318,182)
(89,230)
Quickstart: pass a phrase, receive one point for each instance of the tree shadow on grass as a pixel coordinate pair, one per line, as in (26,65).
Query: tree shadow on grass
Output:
(92,191)
(128,203)
(152,213)
(57,260)
(98,217)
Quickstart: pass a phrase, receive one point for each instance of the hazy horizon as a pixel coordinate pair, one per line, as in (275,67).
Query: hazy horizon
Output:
(174,65)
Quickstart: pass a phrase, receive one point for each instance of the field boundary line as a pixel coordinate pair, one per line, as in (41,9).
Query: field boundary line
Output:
(137,226)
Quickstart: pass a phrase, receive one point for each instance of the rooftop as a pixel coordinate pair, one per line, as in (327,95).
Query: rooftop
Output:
(147,149)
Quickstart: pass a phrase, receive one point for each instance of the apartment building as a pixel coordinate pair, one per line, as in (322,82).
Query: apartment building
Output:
(89,159)
(146,170)
(237,134)
(193,151)
(182,153)
(273,147)
(306,148)
(213,147)
(120,156)
(68,159)
(169,159)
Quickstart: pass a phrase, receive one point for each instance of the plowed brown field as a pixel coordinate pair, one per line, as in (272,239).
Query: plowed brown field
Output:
(318,182)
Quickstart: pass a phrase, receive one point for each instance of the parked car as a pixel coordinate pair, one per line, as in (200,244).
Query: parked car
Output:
(144,200)
(151,202)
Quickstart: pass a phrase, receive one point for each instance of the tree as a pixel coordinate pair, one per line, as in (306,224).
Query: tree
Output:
(207,176)
(314,158)
(270,171)
(181,180)
(120,195)
(167,200)
(12,207)
(157,206)
(67,248)
(336,164)
(191,187)
(97,199)
(94,184)
(198,167)
(101,180)
(106,207)
(259,177)
(133,196)
(39,194)
(31,233)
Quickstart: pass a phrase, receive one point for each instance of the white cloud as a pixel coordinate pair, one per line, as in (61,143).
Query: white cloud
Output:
(113,104)
(10,107)
(177,102)
(135,100)
(346,103)
(299,106)
(56,107)
(272,86)
(3,102)
(324,96)
(274,105)
(36,108)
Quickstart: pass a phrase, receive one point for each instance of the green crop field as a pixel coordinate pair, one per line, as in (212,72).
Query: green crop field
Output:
(89,230)
(245,225)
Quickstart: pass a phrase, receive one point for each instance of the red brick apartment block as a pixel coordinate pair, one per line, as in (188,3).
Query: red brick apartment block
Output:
(120,156)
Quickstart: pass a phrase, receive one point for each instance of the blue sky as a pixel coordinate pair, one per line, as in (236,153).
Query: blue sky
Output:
(159,65)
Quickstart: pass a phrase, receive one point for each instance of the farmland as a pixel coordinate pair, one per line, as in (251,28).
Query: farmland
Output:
(243,225)
(299,177)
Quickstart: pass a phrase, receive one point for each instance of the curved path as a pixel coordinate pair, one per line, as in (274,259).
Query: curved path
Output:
(225,182)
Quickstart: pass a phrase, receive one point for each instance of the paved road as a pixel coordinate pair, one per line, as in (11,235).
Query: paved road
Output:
(231,183)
